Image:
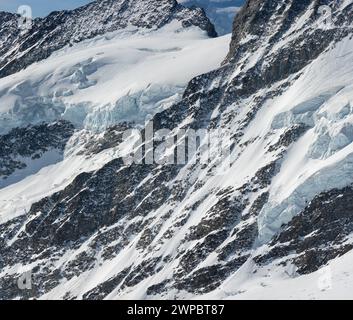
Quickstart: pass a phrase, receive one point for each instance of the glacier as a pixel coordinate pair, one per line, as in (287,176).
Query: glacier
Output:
(126,75)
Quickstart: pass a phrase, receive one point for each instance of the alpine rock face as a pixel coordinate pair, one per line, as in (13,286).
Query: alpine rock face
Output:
(221,12)
(273,218)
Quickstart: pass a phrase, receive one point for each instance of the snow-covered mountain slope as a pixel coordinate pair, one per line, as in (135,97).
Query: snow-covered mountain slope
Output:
(268,221)
(220,12)
(332,282)
(20,48)
(125,75)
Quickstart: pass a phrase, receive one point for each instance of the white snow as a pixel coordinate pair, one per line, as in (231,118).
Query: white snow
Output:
(32,166)
(122,76)
(127,75)
(322,159)
(332,282)
(17,198)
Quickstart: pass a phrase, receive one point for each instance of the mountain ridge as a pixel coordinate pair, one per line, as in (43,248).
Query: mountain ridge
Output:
(279,212)
(62,28)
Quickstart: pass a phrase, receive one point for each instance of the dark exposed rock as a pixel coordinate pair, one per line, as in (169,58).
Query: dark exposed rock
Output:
(142,271)
(157,288)
(31,142)
(112,137)
(318,234)
(291,135)
(224,214)
(100,292)
(293,56)
(258,204)
(243,241)
(209,278)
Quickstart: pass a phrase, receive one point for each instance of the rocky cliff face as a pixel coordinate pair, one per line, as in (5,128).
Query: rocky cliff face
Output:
(20,49)
(220,12)
(283,96)
(31,143)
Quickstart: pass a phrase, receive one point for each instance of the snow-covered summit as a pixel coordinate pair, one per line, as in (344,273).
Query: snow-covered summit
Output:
(20,48)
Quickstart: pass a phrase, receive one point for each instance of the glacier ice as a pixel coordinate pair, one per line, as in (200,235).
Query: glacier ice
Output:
(123,76)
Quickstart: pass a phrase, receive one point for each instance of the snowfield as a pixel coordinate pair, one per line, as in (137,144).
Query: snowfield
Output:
(126,75)
(332,282)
